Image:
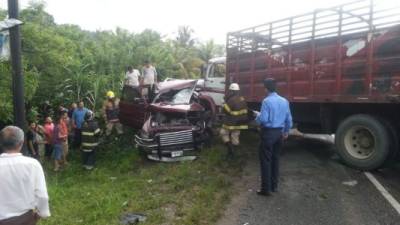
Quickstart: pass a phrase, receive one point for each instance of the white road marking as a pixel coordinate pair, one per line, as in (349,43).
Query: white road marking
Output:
(384,192)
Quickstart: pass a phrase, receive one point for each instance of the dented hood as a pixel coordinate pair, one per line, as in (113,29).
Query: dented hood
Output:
(182,103)
(175,84)
(182,108)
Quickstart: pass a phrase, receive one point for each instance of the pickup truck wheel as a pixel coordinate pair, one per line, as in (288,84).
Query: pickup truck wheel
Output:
(362,142)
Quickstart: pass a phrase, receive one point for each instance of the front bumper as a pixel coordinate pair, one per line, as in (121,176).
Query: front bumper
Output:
(169,146)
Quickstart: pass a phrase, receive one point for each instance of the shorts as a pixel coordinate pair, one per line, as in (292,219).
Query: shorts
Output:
(58,151)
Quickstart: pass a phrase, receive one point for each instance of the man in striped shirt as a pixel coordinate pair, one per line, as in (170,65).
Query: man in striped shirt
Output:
(90,140)
(235,119)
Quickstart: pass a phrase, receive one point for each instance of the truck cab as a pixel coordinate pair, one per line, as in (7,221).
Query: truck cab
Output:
(214,74)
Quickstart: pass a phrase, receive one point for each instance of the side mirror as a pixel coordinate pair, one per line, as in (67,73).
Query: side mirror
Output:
(203,69)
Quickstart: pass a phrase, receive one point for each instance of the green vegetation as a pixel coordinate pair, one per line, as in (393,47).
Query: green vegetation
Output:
(187,193)
(63,63)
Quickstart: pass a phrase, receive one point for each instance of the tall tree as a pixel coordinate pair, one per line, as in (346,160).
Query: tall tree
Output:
(185,37)
(210,50)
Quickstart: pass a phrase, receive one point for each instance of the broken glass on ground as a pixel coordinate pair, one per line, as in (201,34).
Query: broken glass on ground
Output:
(132,218)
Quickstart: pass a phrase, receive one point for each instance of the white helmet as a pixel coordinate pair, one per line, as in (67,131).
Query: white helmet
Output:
(234,87)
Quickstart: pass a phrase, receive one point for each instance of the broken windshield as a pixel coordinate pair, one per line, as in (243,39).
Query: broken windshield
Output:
(182,97)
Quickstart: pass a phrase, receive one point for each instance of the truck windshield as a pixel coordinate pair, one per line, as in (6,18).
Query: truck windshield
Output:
(217,70)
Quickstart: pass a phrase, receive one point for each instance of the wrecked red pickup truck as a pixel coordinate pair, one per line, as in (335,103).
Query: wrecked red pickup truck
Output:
(175,124)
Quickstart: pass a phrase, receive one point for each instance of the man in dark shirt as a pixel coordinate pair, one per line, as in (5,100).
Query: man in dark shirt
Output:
(31,137)
(72,109)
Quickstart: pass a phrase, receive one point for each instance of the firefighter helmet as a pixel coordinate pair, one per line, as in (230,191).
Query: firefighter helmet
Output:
(89,115)
(110,94)
(234,87)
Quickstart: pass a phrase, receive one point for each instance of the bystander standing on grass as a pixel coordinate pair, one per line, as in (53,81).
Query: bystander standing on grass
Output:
(48,128)
(60,136)
(65,132)
(77,121)
(32,141)
(23,199)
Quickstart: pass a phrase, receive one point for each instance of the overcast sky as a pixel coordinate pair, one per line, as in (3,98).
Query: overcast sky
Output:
(210,19)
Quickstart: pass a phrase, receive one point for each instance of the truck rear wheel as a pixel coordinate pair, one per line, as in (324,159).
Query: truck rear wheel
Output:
(393,156)
(363,142)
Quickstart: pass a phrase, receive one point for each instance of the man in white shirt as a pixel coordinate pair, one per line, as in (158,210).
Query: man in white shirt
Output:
(132,77)
(23,193)
(149,73)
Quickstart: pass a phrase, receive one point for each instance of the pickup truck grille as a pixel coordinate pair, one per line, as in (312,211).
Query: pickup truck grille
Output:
(176,138)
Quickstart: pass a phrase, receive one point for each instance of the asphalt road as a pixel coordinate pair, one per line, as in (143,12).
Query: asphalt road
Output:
(315,188)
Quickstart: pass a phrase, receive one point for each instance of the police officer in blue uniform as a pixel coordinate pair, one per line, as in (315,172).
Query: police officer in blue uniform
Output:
(275,120)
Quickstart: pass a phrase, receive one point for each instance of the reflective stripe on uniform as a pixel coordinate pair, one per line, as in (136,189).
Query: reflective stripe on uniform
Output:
(97,131)
(90,144)
(234,113)
(88,133)
(239,127)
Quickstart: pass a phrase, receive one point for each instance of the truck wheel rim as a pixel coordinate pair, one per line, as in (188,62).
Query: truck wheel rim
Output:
(360,142)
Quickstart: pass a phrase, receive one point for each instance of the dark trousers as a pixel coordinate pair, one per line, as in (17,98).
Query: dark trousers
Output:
(150,91)
(77,138)
(271,143)
(88,158)
(48,150)
(27,218)
(37,156)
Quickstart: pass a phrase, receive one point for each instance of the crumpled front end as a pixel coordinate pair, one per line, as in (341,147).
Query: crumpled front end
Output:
(171,137)
(169,146)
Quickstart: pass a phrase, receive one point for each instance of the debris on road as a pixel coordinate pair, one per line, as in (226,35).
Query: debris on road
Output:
(132,218)
(323,196)
(351,183)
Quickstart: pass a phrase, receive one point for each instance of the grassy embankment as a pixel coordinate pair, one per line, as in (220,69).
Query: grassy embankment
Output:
(186,193)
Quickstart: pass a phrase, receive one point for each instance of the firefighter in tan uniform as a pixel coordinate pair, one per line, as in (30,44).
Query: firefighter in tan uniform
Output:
(235,118)
(111,112)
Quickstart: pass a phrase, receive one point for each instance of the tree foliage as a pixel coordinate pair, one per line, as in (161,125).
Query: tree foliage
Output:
(64,63)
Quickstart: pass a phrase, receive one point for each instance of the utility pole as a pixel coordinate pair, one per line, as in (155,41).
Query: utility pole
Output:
(17,76)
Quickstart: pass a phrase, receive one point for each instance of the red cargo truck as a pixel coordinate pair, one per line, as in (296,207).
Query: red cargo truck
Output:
(339,68)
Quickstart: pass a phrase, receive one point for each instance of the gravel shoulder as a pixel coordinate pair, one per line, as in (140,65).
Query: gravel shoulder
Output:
(315,188)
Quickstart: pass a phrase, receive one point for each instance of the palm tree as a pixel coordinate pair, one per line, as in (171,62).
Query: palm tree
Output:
(185,37)
(210,50)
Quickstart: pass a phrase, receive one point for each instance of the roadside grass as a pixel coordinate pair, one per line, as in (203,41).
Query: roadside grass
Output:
(185,193)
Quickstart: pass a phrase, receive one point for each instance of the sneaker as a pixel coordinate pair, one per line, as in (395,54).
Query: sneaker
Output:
(263,193)
(89,167)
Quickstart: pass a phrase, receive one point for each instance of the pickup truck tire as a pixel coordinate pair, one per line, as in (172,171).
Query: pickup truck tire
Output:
(363,142)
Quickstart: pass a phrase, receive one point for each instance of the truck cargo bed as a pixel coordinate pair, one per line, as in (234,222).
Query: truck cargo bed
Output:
(346,54)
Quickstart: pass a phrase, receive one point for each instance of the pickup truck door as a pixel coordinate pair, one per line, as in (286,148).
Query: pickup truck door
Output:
(214,82)
(132,108)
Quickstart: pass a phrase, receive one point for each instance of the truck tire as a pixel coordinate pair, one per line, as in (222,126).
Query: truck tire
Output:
(393,156)
(363,142)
